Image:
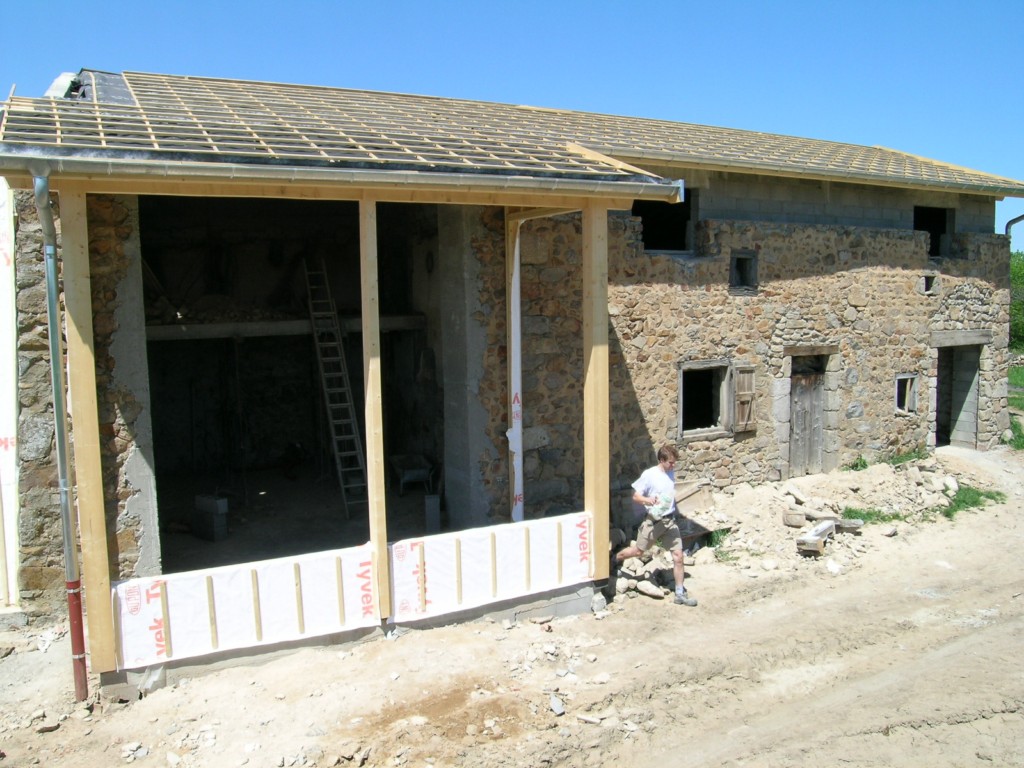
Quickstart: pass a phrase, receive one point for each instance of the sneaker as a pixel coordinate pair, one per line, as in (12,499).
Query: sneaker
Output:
(685,599)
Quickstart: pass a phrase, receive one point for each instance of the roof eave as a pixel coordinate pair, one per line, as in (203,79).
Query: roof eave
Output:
(786,171)
(69,168)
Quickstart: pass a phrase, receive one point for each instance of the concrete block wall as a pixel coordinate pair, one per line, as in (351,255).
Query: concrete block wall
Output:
(748,197)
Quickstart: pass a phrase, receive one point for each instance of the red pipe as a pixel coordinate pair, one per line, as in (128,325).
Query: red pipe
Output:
(77,639)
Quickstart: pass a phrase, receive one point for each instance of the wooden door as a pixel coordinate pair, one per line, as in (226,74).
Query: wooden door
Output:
(806,426)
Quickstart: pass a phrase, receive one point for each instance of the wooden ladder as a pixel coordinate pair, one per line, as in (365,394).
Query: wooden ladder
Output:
(341,416)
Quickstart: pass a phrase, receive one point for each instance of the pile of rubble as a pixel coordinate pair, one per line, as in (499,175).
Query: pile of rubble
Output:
(788,525)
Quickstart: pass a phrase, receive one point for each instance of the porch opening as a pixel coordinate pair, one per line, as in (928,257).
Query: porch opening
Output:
(236,392)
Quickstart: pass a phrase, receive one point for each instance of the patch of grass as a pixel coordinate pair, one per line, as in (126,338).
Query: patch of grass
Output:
(716,539)
(969,497)
(903,458)
(1017,441)
(870,516)
(858,464)
(1016,401)
(1017,376)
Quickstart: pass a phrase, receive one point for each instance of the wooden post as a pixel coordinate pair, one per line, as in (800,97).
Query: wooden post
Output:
(96,564)
(596,481)
(374,407)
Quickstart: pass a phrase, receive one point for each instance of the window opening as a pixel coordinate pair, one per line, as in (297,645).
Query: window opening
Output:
(929,283)
(715,399)
(668,226)
(804,365)
(906,393)
(938,223)
(702,398)
(743,270)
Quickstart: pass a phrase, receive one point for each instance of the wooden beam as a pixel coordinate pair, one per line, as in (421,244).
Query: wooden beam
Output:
(526,214)
(374,403)
(596,481)
(83,406)
(185,187)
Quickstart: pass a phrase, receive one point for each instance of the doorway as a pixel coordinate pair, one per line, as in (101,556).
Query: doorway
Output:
(956,406)
(807,409)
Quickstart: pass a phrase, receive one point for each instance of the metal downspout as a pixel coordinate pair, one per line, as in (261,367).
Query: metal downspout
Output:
(1011,222)
(72,573)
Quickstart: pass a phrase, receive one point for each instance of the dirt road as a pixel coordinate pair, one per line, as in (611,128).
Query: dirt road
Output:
(908,654)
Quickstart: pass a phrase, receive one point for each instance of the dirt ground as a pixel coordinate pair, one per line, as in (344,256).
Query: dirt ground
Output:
(900,646)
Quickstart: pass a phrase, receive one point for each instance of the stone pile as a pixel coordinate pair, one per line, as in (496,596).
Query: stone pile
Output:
(756,529)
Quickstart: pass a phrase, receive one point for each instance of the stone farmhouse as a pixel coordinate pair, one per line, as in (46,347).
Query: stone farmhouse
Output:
(525,303)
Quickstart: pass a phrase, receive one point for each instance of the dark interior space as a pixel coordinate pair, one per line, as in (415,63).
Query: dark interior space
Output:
(701,398)
(244,458)
(667,226)
(936,222)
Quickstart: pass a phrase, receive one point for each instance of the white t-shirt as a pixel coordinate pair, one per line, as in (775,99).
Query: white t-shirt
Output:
(655,482)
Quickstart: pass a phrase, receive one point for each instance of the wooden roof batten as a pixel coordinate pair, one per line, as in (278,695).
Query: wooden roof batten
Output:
(185,121)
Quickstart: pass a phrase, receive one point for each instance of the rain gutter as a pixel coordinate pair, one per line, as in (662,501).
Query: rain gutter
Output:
(363,177)
(73,578)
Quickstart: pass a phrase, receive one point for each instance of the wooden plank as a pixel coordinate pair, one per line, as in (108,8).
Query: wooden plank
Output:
(96,565)
(211,610)
(332,188)
(596,480)
(816,433)
(339,585)
(744,416)
(374,403)
(300,613)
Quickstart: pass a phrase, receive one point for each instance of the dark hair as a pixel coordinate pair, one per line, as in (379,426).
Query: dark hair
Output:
(667,452)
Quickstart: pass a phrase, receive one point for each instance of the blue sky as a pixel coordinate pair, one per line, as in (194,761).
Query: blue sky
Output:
(940,79)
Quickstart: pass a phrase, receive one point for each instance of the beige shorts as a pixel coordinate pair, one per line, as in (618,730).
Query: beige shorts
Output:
(664,533)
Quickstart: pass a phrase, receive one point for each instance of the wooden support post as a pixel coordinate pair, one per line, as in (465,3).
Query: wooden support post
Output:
(374,400)
(596,481)
(96,565)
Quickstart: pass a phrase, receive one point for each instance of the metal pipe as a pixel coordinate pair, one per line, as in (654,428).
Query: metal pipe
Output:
(72,575)
(1011,222)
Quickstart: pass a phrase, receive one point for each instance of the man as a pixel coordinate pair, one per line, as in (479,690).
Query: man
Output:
(654,496)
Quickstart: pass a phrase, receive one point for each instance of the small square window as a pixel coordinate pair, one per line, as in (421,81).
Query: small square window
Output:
(743,270)
(906,393)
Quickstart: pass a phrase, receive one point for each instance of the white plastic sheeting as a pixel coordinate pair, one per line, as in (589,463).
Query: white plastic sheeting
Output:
(190,614)
(449,572)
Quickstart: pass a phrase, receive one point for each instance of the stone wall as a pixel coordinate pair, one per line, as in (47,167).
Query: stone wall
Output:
(41,555)
(856,293)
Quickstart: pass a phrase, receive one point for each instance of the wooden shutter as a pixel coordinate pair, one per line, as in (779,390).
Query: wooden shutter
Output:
(744,419)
